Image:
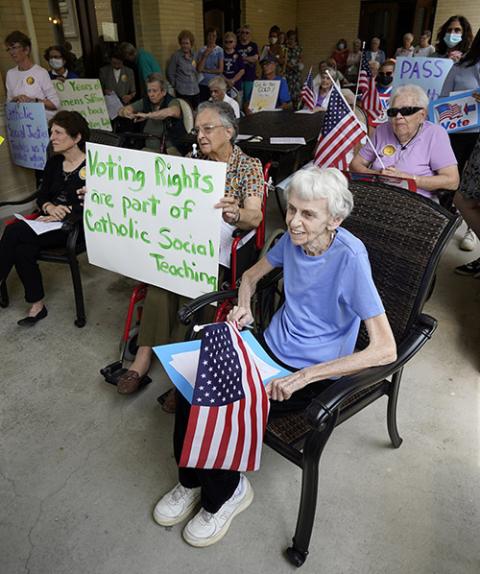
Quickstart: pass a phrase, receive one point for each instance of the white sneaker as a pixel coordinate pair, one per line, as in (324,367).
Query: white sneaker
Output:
(176,505)
(205,528)
(469,241)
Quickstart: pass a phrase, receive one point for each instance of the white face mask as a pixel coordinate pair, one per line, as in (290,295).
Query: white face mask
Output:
(56,63)
(273,40)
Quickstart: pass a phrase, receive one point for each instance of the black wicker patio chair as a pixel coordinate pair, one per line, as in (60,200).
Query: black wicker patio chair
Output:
(405,235)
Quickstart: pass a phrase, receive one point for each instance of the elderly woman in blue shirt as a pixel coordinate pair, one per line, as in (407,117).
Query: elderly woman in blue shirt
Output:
(329,290)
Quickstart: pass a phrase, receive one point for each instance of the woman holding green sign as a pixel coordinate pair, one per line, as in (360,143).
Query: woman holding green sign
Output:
(216,129)
(64,175)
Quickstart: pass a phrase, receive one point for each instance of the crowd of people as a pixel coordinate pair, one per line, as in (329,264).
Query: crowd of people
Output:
(314,340)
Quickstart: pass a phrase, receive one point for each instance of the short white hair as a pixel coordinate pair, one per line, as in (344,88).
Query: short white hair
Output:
(418,94)
(330,184)
(218,83)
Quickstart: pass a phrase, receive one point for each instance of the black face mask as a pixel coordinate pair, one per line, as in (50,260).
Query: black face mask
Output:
(384,80)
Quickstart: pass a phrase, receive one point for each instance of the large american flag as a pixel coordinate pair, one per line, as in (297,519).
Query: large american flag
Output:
(340,133)
(307,94)
(229,406)
(368,88)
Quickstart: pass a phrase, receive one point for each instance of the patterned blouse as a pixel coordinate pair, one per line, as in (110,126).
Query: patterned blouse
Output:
(244,176)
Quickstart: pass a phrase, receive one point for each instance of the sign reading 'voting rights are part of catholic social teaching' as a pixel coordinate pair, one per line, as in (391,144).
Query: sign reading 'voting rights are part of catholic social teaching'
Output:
(151,217)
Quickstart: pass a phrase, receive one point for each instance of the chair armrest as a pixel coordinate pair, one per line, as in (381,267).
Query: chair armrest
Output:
(326,403)
(27,199)
(186,311)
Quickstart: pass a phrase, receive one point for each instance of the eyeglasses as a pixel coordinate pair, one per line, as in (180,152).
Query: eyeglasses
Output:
(229,41)
(207,130)
(245,32)
(14,48)
(387,73)
(405,111)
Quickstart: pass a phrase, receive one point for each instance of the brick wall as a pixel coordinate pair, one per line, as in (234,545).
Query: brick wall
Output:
(316,33)
(468,8)
(45,31)
(11,18)
(160,22)
(262,15)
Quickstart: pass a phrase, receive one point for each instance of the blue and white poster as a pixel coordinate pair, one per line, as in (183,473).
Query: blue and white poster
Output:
(455,113)
(27,134)
(428,73)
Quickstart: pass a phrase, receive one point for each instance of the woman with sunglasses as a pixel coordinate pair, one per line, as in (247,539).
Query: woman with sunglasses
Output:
(410,147)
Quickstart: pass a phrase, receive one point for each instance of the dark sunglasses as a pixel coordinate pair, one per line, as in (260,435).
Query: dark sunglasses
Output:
(406,111)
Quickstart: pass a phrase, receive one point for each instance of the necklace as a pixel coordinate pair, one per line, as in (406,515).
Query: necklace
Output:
(404,146)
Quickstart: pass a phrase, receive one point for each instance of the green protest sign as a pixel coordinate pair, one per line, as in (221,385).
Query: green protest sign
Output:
(85,97)
(151,217)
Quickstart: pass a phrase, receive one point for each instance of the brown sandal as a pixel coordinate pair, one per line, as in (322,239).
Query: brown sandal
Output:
(129,382)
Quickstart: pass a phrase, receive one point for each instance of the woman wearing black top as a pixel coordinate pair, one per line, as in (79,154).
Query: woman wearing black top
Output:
(64,174)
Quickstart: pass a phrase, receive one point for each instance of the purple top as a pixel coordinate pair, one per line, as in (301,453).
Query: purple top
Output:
(232,64)
(429,151)
(247,50)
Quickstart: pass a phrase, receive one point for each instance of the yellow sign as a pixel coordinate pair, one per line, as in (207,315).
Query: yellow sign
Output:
(1,140)
(389,150)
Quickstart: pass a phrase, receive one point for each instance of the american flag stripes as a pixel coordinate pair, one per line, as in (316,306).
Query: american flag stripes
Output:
(448,111)
(229,406)
(341,131)
(367,87)
(307,94)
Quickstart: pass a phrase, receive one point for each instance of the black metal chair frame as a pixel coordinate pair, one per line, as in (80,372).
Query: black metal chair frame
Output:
(404,273)
(69,254)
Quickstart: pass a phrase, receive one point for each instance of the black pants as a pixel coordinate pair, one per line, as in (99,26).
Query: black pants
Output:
(204,93)
(462,145)
(192,100)
(217,486)
(19,247)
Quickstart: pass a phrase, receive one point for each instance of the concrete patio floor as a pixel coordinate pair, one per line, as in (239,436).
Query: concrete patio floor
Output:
(81,467)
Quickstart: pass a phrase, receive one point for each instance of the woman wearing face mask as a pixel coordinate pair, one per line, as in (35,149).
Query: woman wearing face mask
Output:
(274,49)
(353,60)
(454,38)
(56,57)
(340,55)
(384,77)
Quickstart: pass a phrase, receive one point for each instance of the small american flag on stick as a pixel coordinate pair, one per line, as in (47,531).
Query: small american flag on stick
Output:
(340,133)
(229,406)
(307,94)
(368,88)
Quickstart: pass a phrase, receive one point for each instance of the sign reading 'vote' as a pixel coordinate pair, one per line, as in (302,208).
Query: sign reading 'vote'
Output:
(151,217)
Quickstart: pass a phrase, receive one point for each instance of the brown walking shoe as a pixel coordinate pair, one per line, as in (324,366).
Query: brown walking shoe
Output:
(129,382)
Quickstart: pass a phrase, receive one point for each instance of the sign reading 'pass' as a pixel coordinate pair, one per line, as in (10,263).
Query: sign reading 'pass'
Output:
(428,73)
(151,217)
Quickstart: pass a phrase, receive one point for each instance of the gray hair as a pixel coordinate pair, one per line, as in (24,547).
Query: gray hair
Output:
(330,184)
(219,83)
(417,93)
(156,77)
(226,115)
(127,49)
